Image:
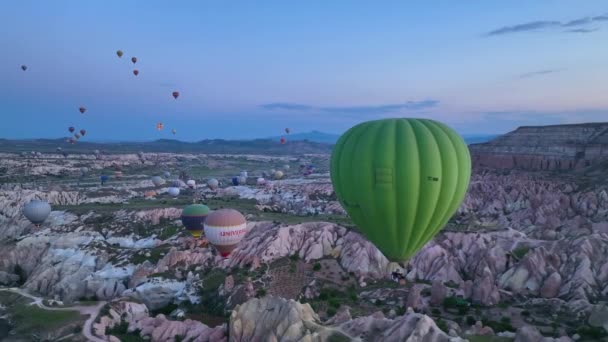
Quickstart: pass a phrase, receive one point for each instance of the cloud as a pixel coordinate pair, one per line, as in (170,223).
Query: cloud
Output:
(582,30)
(286,106)
(540,73)
(372,109)
(601,18)
(578,22)
(533,26)
(546,25)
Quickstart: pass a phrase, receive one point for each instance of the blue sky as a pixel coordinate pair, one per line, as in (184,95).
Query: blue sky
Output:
(248,69)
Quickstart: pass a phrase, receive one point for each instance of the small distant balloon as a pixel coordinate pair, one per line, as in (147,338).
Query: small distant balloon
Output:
(173,131)
(119,53)
(283,141)
(159,126)
(135,72)
(287,130)
(173,191)
(213,183)
(82,110)
(134,60)
(37,211)
(175,94)
(71,129)
(24,67)
(77,136)
(83,132)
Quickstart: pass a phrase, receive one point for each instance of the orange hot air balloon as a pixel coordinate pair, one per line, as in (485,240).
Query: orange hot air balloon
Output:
(83,132)
(134,60)
(82,110)
(175,94)
(135,72)
(159,126)
(283,141)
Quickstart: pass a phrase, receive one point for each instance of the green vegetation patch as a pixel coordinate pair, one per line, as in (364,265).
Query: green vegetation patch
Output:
(30,319)
(520,252)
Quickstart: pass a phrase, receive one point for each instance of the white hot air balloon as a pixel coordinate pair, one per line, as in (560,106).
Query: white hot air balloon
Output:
(278,175)
(224,229)
(158,181)
(173,191)
(37,211)
(191,183)
(213,183)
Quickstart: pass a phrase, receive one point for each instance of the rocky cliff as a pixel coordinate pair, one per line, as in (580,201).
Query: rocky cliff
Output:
(564,147)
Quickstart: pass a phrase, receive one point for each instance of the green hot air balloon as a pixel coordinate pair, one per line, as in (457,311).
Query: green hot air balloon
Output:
(400,180)
(193,218)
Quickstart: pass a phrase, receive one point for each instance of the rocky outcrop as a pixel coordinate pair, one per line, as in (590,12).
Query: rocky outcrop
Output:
(277,319)
(157,328)
(161,329)
(545,147)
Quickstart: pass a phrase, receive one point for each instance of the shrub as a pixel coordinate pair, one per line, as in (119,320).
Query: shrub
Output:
(498,326)
(471,320)
(316,266)
(593,333)
(331,311)
(520,252)
(334,302)
(436,312)
(525,313)
(294,257)
(260,293)
(441,324)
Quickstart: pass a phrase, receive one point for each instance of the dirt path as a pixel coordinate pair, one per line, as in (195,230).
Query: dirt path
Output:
(92,311)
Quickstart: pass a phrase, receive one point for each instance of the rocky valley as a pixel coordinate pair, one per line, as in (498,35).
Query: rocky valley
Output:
(525,258)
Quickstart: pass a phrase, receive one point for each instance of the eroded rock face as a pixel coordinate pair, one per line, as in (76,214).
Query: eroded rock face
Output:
(157,328)
(277,319)
(563,147)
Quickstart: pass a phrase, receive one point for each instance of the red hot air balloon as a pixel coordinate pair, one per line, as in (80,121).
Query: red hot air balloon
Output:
(135,72)
(83,132)
(159,126)
(134,60)
(283,141)
(82,110)
(71,129)
(175,94)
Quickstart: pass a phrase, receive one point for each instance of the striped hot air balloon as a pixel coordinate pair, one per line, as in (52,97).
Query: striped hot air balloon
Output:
(224,229)
(193,218)
(159,126)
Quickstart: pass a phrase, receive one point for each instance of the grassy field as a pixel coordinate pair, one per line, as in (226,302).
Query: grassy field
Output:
(245,206)
(30,321)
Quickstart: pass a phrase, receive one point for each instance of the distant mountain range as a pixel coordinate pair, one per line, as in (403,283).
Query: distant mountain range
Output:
(298,143)
(329,138)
